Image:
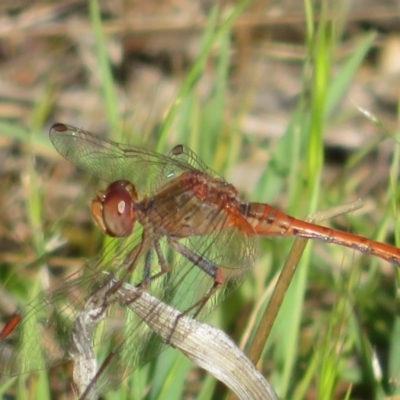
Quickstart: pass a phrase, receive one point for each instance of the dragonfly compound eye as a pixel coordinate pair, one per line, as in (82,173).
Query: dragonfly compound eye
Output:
(118,216)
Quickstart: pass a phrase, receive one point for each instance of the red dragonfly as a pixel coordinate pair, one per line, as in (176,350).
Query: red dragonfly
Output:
(182,233)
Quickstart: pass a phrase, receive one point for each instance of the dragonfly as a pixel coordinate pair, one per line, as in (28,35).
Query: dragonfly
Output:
(179,231)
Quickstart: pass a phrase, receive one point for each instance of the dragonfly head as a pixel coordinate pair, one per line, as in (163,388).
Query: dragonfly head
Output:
(113,210)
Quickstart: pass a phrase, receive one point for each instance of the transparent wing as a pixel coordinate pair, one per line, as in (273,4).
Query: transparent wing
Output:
(184,156)
(42,337)
(111,161)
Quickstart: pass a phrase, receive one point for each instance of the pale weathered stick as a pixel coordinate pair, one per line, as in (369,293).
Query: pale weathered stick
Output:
(207,346)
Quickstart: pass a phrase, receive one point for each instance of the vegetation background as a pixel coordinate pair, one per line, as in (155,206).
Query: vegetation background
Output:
(296,103)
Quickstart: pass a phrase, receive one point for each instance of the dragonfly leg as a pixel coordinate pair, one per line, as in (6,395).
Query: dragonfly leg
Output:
(200,261)
(147,278)
(205,265)
(210,268)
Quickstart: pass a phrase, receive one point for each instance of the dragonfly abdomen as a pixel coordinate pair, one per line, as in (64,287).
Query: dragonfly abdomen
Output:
(269,221)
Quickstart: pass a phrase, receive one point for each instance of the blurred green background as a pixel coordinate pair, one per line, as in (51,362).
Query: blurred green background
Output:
(295,103)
